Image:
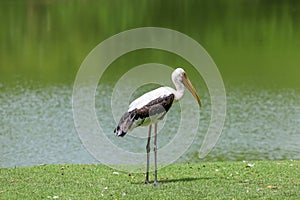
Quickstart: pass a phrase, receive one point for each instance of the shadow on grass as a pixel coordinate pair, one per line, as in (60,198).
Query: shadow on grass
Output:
(183,179)
(162,181)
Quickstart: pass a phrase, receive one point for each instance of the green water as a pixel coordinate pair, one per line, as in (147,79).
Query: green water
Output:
(255,44)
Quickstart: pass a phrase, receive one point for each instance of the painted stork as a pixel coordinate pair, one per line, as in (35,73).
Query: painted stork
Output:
(152,107)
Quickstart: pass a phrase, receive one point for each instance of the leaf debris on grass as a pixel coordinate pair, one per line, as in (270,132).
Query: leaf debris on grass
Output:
(231,180)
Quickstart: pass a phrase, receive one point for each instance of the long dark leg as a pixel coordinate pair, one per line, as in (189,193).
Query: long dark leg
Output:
(155,155)
(148,155)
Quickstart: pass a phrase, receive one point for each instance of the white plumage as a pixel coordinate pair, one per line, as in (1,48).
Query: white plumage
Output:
(151,107)
(150,96)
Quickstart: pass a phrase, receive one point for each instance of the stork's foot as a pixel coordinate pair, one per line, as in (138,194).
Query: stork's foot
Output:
(155,183)
(146,181)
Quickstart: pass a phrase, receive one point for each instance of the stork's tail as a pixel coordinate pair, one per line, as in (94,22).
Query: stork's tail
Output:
(125,124)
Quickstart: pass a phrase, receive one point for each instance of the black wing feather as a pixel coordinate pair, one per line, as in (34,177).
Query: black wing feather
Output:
(156,106)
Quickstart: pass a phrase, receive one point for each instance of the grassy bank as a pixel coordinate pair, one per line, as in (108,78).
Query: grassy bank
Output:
(216,180)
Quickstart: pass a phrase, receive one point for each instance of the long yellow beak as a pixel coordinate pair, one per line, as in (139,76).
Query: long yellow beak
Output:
(187,83)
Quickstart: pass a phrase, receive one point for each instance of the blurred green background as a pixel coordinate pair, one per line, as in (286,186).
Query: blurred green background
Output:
(249,40)
(255,44)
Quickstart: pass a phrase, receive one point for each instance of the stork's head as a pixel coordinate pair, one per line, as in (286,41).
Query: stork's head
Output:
(179,76)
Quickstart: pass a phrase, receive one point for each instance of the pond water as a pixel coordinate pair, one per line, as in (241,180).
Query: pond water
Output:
(38,127)
(255,45)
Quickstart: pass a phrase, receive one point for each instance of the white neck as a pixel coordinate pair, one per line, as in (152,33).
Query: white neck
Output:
(179,92)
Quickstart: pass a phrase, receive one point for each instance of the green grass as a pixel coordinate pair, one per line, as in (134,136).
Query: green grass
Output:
(209,180)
